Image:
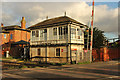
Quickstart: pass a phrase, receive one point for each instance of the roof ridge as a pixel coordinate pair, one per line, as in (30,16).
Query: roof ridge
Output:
(56,20)
(12,26)
(47,20)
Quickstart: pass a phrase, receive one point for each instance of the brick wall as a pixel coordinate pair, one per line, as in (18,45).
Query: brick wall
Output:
(105,54)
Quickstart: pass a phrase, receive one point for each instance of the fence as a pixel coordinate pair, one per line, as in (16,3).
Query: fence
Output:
(105,54)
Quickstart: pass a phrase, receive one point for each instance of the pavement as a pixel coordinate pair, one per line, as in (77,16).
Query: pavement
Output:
(94,71)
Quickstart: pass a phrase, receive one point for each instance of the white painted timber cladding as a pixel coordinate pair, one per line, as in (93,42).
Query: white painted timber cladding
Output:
(55,39)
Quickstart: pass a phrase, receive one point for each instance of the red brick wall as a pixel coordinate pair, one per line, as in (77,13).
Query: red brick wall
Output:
(106,54)
(5,40)
(96,54)
(20,35)
(113,53)
(17,35)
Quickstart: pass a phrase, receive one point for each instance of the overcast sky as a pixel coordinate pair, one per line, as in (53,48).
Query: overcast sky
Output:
(106,13)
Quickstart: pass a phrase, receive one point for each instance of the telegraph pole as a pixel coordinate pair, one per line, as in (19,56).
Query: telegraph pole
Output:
(92,31)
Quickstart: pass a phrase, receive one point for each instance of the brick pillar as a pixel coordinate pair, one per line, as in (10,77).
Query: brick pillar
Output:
(106,56)
(101,54)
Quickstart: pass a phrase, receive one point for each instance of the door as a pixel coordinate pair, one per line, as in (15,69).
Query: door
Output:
(74,57)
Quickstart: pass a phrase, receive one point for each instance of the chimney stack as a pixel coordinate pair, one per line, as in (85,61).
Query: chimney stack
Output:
(1,24)
(65,13)
(23,23)
(46,17)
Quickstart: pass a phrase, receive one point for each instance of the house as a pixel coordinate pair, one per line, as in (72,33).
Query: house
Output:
(58,40)
(12,35)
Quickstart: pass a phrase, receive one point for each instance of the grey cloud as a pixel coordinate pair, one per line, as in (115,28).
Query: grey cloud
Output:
(35,12)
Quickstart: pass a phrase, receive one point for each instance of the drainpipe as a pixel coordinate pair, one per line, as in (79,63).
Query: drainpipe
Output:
(70,45)
(67,44)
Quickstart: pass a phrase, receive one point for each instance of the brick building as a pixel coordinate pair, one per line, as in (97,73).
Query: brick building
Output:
(58,40)
(14,38)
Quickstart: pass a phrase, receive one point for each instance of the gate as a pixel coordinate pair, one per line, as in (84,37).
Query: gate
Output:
(74,55)
(80,56)
(84,56)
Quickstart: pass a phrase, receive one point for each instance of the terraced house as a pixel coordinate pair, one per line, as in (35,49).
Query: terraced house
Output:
(57,40)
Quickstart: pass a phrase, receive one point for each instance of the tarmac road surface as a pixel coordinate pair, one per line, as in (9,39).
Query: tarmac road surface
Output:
(94,71)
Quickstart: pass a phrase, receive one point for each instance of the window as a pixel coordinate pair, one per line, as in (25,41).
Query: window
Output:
(37,33)
(39,52)
(41,33)
(73,33)
(79,33)
(58,52)
(54,31)
(60,30)
(11,36)
(63,30)
(4,35)
(45,30)
(33,33)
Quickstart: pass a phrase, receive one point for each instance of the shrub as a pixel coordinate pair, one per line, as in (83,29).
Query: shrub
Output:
(24,66)
(87,62)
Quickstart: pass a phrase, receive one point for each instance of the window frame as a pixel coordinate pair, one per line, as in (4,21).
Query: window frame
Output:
(57,52)
(37,33)
(79,33)
(73,33)
(39,50)
(5,36)
(32,34)
(11,36)
(54,31)
(41,33)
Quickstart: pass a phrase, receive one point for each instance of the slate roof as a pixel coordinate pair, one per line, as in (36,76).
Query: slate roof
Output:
(13,27)
(56,20)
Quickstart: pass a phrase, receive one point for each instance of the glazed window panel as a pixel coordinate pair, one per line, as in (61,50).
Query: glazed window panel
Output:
(39,52)
(73,33)
(60,30)
(65,30)
(45,30)
(79,33)
(37,33)
(11,36)
(41,33)
(33,33)
(54,31)
(5,36)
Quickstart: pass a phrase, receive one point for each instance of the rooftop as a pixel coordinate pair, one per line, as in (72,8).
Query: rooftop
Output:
(56,20)
(13,27)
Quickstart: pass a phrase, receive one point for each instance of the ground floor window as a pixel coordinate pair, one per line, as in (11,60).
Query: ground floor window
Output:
(39,52)
(58,52)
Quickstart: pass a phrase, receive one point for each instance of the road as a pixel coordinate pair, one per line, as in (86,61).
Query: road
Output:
(94,71)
